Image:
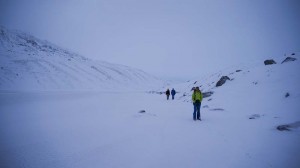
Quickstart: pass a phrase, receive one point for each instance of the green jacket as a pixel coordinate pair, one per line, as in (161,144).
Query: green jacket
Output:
(197,95)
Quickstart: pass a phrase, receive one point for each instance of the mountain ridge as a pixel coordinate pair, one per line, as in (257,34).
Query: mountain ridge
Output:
(28,63)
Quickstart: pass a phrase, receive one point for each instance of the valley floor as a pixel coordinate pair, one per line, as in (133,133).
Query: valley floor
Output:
(76,130)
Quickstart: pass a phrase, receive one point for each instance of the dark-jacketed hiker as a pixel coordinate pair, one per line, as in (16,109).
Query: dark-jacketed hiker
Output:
(168,94)
(197,99)
(173,92)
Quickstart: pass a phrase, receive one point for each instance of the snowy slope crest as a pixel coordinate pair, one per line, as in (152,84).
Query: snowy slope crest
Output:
(28,63)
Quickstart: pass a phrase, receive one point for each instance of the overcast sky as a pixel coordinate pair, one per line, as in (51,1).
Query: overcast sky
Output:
(175,39)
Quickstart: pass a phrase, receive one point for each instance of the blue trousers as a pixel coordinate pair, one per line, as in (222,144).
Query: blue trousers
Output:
(197,111)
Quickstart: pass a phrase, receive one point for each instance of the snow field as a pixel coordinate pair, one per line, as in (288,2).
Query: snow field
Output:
(85,129)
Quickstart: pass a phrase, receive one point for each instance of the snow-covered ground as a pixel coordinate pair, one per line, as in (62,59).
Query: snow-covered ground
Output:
(106,129)
(44,125)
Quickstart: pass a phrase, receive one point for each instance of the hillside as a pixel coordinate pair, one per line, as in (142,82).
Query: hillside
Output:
(263,92)
(28,63)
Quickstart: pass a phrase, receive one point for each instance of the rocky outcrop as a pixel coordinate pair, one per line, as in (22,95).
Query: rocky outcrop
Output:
(287,94)
(142,111)
(207,94)
(254,116)
(288,127)
(222,81)
(269,62)
(283,128)
(288,59)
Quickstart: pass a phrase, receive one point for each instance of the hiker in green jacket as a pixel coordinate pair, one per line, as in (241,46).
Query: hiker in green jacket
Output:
(197,98)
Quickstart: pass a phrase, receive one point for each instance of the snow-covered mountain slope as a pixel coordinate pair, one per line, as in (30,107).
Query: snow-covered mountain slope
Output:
(271,92)
(28,63)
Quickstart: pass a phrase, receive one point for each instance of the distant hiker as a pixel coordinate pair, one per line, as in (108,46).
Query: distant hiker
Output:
(173,92)
(168,94)
(197,98)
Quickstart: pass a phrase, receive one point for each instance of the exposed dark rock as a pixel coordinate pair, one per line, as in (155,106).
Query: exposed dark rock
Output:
(293,54)
(238,70)
(254,116)
(209,99)
(142,111)
(195,82)
(283,128)
(288,59)
(269,62)
(222,81)
(207,94)
(287,94)
(288,127)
